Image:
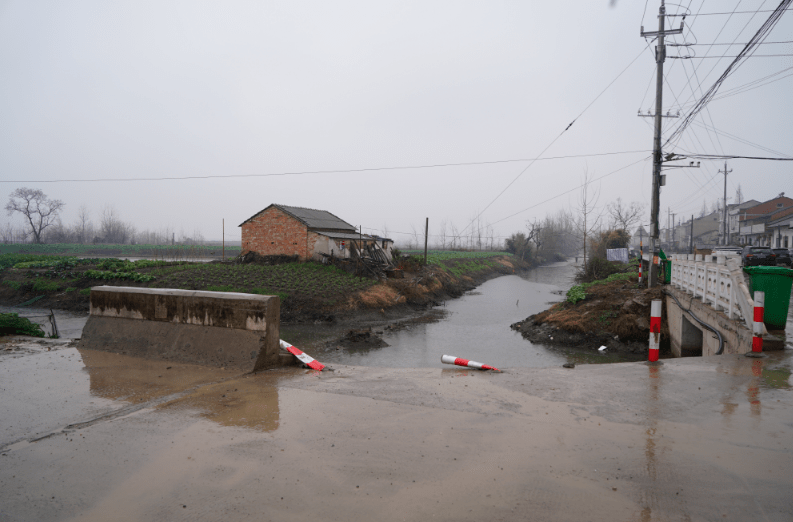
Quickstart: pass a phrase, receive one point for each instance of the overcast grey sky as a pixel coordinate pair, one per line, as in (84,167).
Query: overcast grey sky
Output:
(164,88)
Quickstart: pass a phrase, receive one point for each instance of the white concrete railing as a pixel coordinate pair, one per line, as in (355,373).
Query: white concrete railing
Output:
(711,281)
(717,279)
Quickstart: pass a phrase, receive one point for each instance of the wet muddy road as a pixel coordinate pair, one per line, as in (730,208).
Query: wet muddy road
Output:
(93,436)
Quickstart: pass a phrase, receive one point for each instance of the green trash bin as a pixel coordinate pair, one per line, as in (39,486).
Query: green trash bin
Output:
(666,268)
(776,282)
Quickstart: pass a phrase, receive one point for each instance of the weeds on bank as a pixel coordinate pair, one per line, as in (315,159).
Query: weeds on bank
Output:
(12,324)
(578,293)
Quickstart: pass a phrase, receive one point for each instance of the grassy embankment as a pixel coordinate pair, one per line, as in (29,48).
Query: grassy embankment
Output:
(616,307)
(307,290)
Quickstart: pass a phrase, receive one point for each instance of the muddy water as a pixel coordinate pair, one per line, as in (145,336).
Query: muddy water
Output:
(475,326)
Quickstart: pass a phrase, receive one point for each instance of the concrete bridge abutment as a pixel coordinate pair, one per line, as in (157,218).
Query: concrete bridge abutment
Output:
(222,329)
(689,338)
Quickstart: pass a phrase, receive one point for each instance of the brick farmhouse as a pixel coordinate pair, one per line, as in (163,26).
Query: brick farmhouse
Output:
(306,233)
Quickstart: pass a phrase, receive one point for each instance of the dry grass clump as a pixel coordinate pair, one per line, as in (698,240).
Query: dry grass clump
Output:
(377,296)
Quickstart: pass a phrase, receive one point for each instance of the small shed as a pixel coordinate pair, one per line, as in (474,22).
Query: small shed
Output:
(305,232)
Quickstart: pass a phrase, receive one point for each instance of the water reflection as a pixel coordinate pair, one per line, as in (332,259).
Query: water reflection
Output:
(651,451)
(245,403)
(248,402)
(753,388)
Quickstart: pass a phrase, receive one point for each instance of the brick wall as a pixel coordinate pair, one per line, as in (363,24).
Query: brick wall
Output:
(274,233)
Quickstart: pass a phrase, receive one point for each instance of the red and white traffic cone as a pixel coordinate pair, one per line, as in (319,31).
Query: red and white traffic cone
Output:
(655,329)
(305,359)
(757,326)
(451,359)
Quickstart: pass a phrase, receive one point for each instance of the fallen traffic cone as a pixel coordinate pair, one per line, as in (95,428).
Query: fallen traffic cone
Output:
(305,359)
(451,359)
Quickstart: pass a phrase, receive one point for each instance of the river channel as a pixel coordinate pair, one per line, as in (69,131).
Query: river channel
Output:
(474,326)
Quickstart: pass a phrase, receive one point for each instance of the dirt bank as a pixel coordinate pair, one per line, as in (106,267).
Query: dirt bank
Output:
(614,314)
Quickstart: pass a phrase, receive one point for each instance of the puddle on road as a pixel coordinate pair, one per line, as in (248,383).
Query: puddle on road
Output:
(248,402)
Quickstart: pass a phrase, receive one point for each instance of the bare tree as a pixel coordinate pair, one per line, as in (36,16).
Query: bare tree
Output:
(39,210)
(738,195)
(414,237)
(489,235)
(442,234)
(624,216)
(454,236)
(534,229)
(385,231)
(586,210)
(114,230)
(83,228)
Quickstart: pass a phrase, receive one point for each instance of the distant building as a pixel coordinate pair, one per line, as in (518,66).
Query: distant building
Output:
(640,235)
(733,218)
(306,233)
(764,224)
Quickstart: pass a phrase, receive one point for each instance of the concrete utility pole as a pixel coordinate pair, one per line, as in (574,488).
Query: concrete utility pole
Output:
(725,240)
(426,238)
(660,56)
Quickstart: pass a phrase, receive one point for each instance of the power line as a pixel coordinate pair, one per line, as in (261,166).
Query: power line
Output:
(747,51)
(726,56)
(728,156)
(711,44)
(571,190)
(741,140)
(727,13)
(300,173)
(554,141)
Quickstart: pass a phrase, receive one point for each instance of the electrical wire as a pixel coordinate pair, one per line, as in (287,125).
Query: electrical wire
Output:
(728,13)
(348,171)
(726,56)
(747,50)
(571,190)
(554,141)
(732,156)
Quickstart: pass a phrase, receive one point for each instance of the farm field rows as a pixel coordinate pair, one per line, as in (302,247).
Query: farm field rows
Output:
(294,283)
(154,251)
(306,289)
(436,257)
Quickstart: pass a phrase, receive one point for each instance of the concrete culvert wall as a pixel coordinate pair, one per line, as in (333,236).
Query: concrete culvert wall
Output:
(212,328)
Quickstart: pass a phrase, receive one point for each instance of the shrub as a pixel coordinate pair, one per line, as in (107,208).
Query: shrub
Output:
(598,268)
(12,324)
(13,284)
(576,294)
(42,285)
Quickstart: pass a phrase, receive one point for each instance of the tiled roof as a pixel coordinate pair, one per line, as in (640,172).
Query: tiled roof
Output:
(312,218)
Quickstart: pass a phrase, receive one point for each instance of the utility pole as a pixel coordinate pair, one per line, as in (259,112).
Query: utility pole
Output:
(668,226)
(660,56)
(426,238)
(724,237)
(673,231)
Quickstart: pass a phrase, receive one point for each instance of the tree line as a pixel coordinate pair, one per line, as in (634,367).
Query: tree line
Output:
(42,224)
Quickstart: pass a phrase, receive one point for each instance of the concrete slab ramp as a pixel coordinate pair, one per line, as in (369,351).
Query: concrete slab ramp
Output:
(221,329)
